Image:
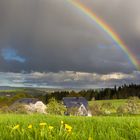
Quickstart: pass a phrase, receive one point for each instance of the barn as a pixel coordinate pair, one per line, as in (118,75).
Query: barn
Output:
(77,106)
(31,105)
(26,101)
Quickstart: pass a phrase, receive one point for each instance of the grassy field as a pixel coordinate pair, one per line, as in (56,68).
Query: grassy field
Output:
(116,103)
(42,127)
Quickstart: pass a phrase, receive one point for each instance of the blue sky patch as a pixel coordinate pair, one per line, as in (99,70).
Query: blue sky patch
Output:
(10,54)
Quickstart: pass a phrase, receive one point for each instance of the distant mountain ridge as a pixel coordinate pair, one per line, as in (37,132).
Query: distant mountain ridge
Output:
(6,88)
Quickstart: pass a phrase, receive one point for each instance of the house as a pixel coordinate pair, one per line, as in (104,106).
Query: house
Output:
(26,101)
(76,106)
(31,105)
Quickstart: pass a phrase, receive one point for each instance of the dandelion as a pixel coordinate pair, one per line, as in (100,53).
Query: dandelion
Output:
(15,127)
(43,124)
(30,126)
(62,122)
(51,127)
(68,128)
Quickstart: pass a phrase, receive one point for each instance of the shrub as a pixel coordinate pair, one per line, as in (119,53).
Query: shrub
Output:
(122,109)
(19,109)
(5,109)
(55,108)
(73,111)
(105,108)
(96,109)
(107,105)
(108,108)
(132,106)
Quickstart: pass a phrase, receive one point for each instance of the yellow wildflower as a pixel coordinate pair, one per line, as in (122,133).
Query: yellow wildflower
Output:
(43,124)
(30,126)
(68,127)
(16,127)
(51,127)
(69,130)
(62,122)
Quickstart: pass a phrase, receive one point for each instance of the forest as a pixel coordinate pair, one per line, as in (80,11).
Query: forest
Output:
(121,92)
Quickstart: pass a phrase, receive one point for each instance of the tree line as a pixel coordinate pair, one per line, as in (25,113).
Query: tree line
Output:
(121,92)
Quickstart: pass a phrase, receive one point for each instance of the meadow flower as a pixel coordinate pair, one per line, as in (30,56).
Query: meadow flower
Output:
(51,127)
(30,126)
(43,124)
(15,127)
(68,128)
(62,122)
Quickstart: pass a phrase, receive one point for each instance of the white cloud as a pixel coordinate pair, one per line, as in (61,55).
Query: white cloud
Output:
(67,79)
(116,76)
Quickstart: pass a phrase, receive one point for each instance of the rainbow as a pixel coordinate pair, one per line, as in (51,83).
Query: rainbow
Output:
(88,12)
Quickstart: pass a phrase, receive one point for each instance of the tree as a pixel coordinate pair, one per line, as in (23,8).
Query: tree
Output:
(55,108)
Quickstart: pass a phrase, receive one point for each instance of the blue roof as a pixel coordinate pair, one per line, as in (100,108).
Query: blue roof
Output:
(75,101)
(27,100)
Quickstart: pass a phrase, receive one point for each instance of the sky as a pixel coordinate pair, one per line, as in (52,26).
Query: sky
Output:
(51,43)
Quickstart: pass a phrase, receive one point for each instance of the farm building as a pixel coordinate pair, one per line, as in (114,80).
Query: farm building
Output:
(31,105)
(76,106)
(26,101)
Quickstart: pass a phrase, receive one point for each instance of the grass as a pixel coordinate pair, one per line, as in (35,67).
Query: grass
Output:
(116,102)
(12,90)
(21,127)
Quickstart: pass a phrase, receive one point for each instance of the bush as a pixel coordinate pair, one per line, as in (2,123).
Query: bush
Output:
(5,109)
(55,108)
(19,109)
(108,108)
(105,108)
(72,111)
(122,109)
(96,109)
(132,106)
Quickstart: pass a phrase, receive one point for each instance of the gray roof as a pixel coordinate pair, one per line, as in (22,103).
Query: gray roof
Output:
(27,100)
(75,101)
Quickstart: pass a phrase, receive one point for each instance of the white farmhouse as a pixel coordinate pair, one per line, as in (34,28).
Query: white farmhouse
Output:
(31,105)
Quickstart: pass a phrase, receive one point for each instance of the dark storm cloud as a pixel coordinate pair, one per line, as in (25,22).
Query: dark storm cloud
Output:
(54,36)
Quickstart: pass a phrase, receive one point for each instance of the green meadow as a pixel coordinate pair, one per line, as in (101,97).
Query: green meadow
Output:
(44,127)
(116,102)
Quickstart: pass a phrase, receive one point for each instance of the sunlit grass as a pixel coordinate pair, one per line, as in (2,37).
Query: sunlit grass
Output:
(42,127)
(116,102)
